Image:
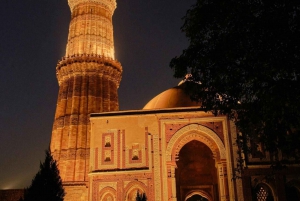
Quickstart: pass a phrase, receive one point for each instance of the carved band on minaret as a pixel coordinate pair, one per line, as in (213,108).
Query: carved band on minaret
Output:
(89,63)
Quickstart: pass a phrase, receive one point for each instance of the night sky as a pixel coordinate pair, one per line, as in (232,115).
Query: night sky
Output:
(33,37)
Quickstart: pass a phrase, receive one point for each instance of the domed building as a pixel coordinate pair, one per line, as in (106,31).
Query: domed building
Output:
(170,150)
(173,150)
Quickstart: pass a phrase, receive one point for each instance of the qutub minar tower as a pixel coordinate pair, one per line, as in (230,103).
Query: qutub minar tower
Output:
(88,77)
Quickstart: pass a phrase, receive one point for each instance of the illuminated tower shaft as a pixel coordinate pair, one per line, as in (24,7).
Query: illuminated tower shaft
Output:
(88,78)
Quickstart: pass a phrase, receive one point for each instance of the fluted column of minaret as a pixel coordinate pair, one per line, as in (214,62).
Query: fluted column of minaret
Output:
(88,79)
(91,30)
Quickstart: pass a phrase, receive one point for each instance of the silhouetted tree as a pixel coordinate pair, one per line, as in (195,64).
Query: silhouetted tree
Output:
(244,57)
(47,184)
(141,196)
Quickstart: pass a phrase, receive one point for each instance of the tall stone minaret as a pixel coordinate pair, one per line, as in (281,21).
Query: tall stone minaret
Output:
(88,77)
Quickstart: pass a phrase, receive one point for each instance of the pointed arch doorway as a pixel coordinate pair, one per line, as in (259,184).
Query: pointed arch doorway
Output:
(196,172)
(210,140)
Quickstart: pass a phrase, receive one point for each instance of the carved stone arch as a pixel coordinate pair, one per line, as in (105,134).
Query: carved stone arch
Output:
(201,193)
(107,191)
(199,133)
(134,186)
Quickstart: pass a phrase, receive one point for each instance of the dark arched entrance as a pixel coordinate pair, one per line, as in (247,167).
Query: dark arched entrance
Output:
(196,171)
(292,193)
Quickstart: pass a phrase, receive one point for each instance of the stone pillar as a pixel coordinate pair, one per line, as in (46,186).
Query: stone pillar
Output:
(173,182)
(280,181)
(157,168)
(223,181)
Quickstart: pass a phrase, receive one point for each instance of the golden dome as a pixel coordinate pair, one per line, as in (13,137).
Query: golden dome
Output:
(171,98)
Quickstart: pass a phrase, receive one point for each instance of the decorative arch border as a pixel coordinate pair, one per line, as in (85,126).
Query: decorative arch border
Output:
(135,184)
(107,190)
(199,192)
(195,132)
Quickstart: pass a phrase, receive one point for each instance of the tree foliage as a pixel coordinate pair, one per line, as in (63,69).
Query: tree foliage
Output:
(141,196)
(244,57)
(47,184)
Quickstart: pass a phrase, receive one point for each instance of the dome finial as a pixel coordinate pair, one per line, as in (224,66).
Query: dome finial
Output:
(188,77)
